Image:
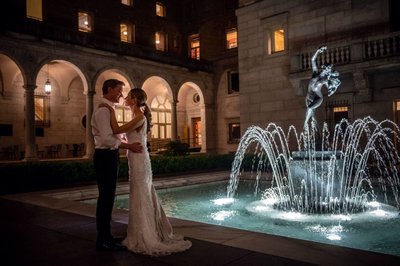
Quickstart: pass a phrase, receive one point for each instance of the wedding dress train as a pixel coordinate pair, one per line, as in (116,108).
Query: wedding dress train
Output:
(149,230)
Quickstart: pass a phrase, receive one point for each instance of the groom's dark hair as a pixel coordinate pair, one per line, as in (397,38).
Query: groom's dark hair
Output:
(111,83)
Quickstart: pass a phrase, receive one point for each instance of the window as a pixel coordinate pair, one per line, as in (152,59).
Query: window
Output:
(123,114)
(234,132)
(85,22)
(396,119)
(160,10)
(127,2)
(6,129)
(34,9)
(231,38)
(339,113)
(42,110)
(39,132)
(196,98)
(336,112)
(278,41)
(127,32)
(275,33)
(397,112)
(394,15)
(161,118)
(194,42)
(233,82)
(161,41)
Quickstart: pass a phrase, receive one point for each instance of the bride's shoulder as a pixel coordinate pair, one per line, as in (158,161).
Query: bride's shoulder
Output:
(141,117)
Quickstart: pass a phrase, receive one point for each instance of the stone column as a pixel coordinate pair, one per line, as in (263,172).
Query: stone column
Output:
(174,126)
(208,123)
(30,147)
(89,136)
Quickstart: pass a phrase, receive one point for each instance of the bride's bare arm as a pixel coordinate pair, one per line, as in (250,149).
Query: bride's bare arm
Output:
(133,124)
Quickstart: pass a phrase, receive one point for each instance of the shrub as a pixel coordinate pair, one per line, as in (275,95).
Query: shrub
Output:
(31,176)
(176,148)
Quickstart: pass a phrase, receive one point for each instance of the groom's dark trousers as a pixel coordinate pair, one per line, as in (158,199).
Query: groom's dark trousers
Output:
(106,167)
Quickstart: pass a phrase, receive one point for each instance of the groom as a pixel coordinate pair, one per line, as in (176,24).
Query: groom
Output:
(106,163)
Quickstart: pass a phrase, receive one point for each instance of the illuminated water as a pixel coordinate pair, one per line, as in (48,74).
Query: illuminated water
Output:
(322,172)
(377,229)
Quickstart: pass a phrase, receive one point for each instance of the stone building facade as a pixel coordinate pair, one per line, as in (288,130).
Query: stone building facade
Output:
(363,45)
(210,68)
(53,44)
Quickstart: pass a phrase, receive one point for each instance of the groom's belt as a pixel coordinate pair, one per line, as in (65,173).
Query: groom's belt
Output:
(100,149)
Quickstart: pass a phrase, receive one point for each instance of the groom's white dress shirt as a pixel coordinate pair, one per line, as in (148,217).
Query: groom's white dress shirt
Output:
(104,138)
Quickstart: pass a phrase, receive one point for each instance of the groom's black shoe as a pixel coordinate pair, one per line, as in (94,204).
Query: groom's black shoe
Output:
(110,246)
(118,239)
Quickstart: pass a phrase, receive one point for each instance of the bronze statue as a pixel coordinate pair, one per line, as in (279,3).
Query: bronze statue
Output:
(325,77)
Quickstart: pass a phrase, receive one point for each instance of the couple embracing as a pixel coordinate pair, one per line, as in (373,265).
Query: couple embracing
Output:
(149,231)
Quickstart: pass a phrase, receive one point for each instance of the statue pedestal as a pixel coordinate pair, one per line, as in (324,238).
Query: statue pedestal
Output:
(316,177)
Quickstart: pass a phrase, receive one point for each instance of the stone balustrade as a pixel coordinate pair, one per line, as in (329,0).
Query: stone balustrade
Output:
(335,55)
(382,47)
(374,48)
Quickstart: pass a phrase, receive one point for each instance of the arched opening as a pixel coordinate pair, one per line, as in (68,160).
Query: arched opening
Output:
(160,100)
(12,134)
(191,116)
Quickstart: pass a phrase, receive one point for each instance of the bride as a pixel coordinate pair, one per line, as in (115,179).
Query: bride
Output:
(149,230)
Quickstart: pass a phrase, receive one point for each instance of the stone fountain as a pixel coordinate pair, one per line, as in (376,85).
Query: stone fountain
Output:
(317,172)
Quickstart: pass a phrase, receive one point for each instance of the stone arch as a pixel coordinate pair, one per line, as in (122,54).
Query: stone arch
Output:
(62,74)
(191,126)
(12,100)
(112,73)
(11,74)
(160,99)
(155,85)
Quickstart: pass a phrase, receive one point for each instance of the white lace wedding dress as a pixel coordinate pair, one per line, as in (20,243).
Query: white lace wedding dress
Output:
(149,231)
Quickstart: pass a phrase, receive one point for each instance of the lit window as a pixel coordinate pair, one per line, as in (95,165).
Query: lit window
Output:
(127,32)
(278,41)
(397,106)
(161,118)
(194,41)
(340,109)
(231,38)
(123,114)
(234,132)
(161,41)
(397,112)
(160,10)
(34,9)
(233,82)
(42,110)
(127,2)
(338,112)
(85,22)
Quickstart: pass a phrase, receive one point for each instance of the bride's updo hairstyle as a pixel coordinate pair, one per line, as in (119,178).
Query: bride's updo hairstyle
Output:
(141,98)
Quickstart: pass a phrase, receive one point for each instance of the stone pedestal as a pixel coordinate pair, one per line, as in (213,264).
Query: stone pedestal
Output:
(316,177)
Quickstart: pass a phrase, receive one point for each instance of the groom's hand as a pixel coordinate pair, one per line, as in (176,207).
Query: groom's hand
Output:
(136,147)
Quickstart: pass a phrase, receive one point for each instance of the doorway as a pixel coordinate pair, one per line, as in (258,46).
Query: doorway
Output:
(196,129)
